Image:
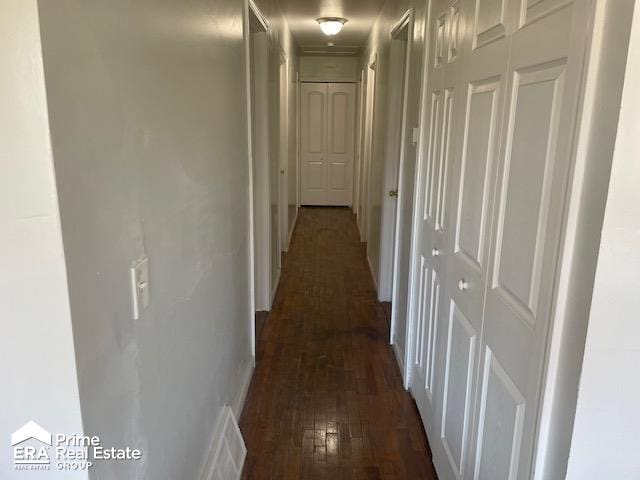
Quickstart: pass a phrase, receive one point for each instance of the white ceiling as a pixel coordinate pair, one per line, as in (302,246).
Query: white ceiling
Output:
(302,14)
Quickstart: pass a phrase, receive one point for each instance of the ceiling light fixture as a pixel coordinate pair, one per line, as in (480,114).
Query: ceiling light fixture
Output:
(331,25)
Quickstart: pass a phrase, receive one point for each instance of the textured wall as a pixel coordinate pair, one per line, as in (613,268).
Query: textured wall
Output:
(148,116)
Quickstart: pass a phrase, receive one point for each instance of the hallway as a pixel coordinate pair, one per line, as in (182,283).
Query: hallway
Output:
(320,239)
(326,399)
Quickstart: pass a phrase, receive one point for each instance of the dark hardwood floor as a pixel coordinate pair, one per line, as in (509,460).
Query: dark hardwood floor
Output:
(326,400)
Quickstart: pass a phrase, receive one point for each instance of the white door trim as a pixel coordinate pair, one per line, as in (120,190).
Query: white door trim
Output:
(405,19)
(253,7)
(250,236)
(361,99)
(283,152)
(390,219)
(367,140)
(249,8)
(297,145)
(260,262)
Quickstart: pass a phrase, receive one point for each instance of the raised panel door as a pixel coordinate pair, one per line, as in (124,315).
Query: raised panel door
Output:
(313,139)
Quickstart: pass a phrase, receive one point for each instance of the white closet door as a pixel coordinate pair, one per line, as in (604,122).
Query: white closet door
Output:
(327,139)
(546,61)
(436,152)
(479,88)
(499,117)
(313,135)
(340,142)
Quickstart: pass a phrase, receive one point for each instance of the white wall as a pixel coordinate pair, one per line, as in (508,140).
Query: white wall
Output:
(328,69)
(378,45)
(605,439)
(148,118)
(37,363)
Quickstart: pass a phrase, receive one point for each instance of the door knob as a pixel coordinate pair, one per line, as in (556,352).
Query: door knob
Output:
(435,252)
(393,193)
(282,172)
(463,285)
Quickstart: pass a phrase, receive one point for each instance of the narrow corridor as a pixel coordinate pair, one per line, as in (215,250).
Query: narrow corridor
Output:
(326,399)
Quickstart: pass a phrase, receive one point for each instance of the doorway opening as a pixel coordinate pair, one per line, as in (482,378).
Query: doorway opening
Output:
(399,177)
(364,167)
(283,156)
(398,205)
(256,43)
(361,94)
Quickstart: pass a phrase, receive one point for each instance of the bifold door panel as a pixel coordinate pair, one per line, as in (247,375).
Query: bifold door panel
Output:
(327,122)
(499,113)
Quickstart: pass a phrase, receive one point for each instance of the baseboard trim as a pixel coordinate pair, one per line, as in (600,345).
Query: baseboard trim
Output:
(373,277)
(274,290)
(400,362)
(292,229)
(241,395)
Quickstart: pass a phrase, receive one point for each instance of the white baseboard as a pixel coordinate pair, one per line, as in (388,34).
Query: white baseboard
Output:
(373,277)
(274,290)
(400,361)
(241,395)
(293,227)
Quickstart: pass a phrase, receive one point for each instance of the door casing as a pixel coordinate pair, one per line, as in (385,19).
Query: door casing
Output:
(256,66)
(283,184)
(364,211)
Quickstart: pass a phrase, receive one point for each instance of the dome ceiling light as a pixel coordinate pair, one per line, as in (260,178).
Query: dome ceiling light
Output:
(331,25)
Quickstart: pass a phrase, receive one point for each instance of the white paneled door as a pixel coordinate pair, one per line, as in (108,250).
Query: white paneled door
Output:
(499,114)
(327,136)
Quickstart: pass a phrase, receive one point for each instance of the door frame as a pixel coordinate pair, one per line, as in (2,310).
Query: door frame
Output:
(256,231)
(283,151)
(390,234)
(367,150)
(400,199)
(294,86)
(361,106)
(298,142)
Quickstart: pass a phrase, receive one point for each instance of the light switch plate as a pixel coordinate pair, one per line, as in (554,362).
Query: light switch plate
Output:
(139,287)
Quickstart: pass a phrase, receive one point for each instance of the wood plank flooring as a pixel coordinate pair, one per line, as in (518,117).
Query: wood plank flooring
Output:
(326,399)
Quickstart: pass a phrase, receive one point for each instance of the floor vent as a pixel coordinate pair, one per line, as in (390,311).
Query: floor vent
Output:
(231,451)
